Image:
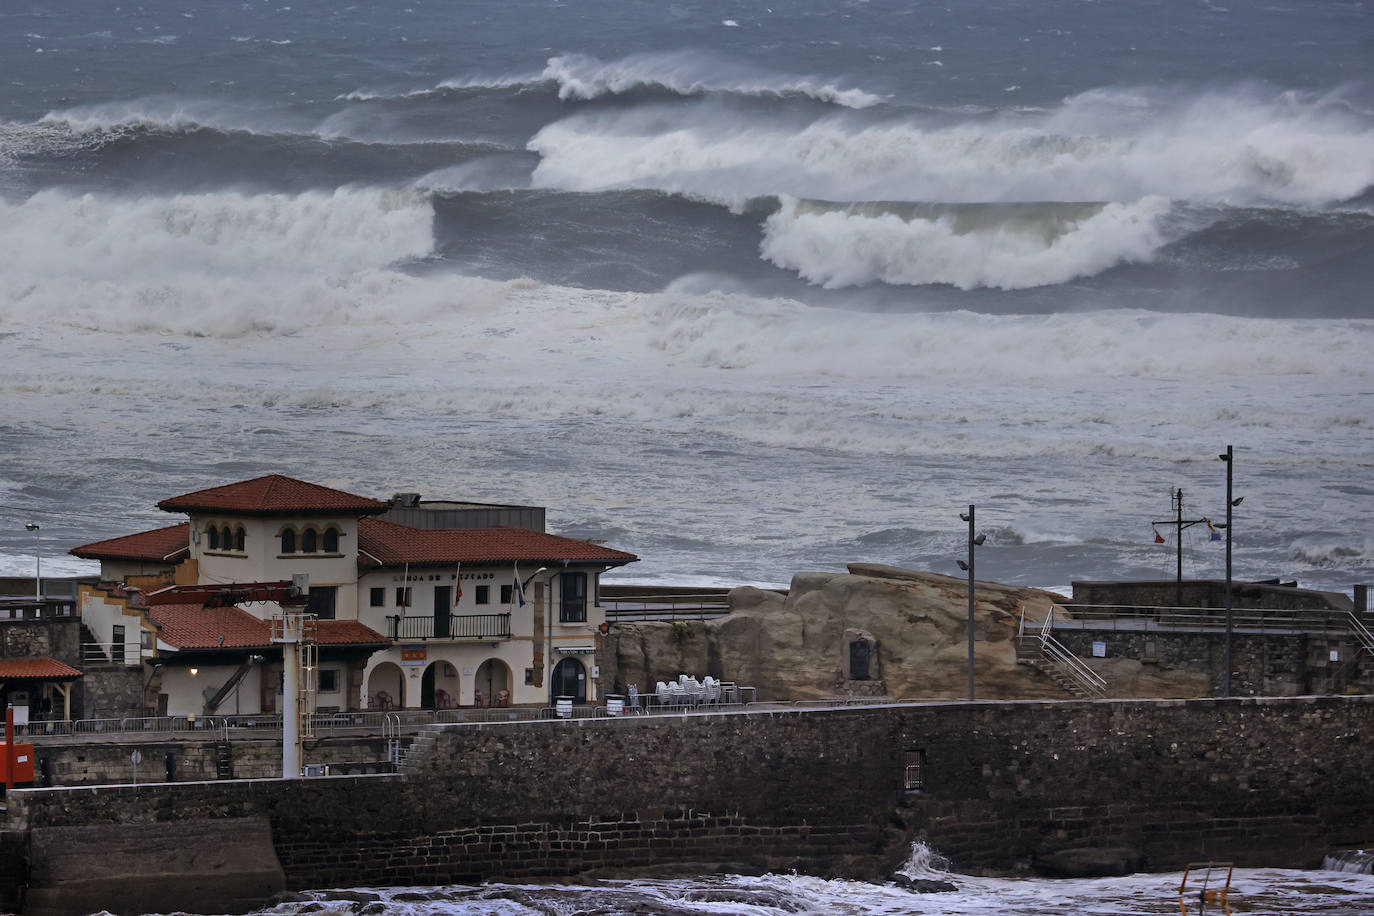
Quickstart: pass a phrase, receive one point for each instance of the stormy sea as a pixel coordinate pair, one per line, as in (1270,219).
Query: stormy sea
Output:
(745,289)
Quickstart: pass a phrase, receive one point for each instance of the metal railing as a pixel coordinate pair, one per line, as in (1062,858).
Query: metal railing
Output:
(460,626)
(1182,619)
(1072,668)
(118,653)
(651,606)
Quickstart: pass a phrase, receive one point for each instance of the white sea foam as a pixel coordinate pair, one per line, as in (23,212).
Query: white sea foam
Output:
(1331,553)
(583,78)
(688,73)
(217,264)
(1103,146)
(166,113)
(842,247)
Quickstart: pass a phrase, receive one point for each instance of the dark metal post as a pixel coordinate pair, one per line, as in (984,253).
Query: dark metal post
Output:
(1178,545)
(1230,464)
(970,601)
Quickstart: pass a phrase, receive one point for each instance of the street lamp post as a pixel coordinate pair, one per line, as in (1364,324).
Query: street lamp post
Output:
(37,563)
(1229,458)
(972,543)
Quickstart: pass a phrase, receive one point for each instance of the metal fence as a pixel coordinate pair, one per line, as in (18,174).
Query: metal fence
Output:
(1183,619)
(458,626)
(226,727)
(701,606)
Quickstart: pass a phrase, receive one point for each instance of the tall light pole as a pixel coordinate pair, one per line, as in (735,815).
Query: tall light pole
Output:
(37,563)
(1229,458)
(972,543)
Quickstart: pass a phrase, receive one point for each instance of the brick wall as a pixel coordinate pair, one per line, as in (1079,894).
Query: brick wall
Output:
(1007,786)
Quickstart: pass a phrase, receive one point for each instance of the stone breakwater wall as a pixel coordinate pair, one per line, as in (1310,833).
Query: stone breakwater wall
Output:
(996,787)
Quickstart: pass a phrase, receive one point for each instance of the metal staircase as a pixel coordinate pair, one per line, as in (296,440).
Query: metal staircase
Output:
(1039,649)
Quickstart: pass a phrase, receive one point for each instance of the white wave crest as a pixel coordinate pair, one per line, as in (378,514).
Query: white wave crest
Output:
(688,73)
(1235,148)
(216,264)
(1334,554)
(1007,249)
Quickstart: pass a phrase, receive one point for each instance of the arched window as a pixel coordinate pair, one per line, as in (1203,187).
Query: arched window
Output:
(226,538)
(213,532)
(288,541)
(239,537)
(308,541)
(331,540)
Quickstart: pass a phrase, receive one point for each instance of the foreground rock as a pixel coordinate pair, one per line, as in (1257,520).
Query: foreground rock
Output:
(923,885)
(907,629)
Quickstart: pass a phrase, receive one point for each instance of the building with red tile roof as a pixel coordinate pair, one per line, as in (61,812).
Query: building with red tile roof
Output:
(275,495)
(410,615)
(384,544)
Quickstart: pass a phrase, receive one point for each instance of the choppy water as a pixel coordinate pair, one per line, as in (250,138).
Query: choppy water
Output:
(744,289)
(1268,891)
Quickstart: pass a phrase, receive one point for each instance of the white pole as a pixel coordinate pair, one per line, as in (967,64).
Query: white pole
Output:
(290,697)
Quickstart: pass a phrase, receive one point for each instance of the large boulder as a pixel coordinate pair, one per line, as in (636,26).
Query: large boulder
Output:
(798,646)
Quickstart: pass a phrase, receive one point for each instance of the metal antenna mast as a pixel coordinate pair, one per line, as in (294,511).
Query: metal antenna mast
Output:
(1179,523)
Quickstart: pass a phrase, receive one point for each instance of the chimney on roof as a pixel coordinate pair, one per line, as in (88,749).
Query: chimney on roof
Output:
(405,500)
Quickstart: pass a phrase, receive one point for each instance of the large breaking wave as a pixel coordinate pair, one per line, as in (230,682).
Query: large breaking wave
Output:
(967,246)
(1236,148)
(582,77)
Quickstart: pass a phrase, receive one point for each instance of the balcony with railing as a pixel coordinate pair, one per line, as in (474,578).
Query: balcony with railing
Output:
(449,626)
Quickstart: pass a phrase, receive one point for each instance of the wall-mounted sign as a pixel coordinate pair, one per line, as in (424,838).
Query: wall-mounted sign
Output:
(414,655)
(1099,650)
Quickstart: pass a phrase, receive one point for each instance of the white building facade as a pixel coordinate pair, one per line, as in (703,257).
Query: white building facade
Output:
(408,617)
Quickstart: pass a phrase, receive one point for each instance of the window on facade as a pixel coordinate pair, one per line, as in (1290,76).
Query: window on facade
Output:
(403,597)
(117,644)
(328,680)
(507,593)
(573,586)
(226,538)
(331,540)
(377,597)
(288,541)
(483,594)
(309,541)
(239,537)
(322,601)
(213,535)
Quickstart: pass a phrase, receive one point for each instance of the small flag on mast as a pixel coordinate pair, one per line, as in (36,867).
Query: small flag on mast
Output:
(1216,535)
(1159,538)
(517,591)
(458,586)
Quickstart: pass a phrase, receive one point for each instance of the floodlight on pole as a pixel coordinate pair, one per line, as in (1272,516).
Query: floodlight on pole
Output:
(37,563)
(973,541)
(1231,503)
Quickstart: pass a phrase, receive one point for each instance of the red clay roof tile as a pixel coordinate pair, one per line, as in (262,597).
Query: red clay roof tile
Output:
(45,668)
(382,543)
(192,626)
(172,543)
(273,494)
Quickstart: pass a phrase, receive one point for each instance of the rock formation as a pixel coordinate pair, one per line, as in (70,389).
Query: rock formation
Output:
(912,632)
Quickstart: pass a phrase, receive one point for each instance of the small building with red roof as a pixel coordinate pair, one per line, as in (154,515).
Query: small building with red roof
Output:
(407,616)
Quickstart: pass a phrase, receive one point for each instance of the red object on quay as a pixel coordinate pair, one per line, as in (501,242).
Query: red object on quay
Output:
(16,763)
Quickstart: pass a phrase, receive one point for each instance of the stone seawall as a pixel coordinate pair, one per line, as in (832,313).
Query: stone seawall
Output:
(190,757)
(997,787)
